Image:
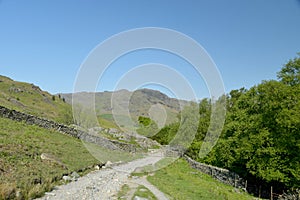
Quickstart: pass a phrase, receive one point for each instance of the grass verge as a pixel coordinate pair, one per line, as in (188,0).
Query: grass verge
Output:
(180,181)
(143,192)
(123,192)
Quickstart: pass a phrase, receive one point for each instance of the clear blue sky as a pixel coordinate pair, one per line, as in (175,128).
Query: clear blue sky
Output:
(45,42)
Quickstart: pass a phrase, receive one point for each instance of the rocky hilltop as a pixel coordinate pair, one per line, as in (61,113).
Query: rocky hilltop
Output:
(140,102)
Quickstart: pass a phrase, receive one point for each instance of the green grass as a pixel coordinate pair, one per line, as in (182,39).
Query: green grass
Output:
(180,181)
(107,117)
(110,121)
(30,99)
(140,191)
(106,121)
(21,168)
(143,192)
(123,192)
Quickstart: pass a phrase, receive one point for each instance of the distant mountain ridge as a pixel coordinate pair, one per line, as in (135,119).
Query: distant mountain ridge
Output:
(29,98)
(140,102)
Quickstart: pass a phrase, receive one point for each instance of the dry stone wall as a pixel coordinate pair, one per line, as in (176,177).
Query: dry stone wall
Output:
(48,124)
(232,178)
(223,175)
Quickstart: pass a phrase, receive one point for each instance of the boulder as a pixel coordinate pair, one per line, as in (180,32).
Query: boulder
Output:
(139,198)
(67,178)
(75,176)
(108,164)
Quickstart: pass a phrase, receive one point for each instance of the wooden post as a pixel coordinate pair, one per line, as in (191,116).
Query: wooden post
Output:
(259,191)
(271,196)
(246,185)
(234,180)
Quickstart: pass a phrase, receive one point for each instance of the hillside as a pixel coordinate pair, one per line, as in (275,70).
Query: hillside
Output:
(141,103)
(31,99)
(24,173)
(33,158)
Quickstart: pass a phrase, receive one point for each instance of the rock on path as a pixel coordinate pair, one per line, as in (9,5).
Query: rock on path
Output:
(105,183)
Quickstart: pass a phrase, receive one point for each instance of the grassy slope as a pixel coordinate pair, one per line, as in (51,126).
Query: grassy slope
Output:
(107,122)
(31,99)
(180,181)
(21,145)
(21,167)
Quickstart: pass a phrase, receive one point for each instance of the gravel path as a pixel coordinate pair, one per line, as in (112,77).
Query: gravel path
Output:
(105,183)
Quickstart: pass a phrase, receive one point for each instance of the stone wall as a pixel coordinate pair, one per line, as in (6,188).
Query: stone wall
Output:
(223,175)
(257,189)
(48,124)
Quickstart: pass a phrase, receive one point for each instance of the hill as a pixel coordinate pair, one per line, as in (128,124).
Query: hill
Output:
(34,159)
(30,99)
(24,171)
(142,102)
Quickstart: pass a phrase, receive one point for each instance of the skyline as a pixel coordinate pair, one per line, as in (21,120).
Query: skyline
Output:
(46,42)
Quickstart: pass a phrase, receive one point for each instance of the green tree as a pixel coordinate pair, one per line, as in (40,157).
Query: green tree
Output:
(166,134)
(145,121)
(290,73)
(261,137)
(147,127)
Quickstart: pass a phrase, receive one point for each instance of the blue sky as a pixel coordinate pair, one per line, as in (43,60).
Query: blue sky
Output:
(45,42)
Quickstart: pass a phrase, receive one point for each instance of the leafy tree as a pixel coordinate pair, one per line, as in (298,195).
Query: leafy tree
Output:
(145,121)
(166,134)
(188,127)
(181,134)
(261,136)
(147,127)
(290,73)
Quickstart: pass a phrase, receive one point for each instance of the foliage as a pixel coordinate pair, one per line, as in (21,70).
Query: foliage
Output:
(145,121)
(290,73)
(261,136)
(188,127)
(147,127)
(166,134)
